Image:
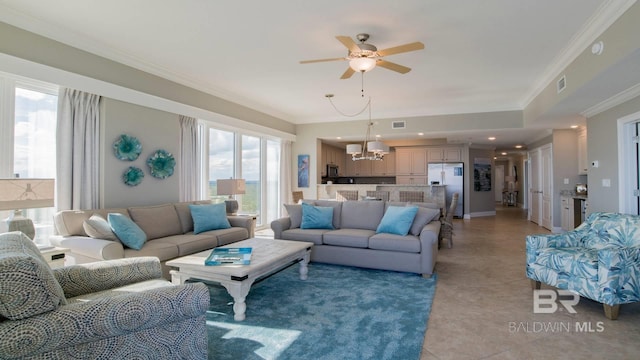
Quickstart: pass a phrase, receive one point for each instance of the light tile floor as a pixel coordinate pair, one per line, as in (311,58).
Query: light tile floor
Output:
(483,306)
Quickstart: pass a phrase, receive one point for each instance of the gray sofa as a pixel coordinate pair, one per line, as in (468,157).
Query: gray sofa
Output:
(354,240)
(169,230)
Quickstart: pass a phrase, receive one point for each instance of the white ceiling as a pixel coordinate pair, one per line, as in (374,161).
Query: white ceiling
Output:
(479,56)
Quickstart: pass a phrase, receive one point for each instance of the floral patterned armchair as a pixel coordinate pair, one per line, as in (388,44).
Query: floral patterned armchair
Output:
(112,309)
(599,260)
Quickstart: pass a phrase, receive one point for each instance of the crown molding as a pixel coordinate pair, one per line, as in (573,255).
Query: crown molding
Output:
(615,100)
(603,18)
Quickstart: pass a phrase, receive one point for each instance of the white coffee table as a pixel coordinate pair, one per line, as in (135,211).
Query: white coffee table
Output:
(268,256)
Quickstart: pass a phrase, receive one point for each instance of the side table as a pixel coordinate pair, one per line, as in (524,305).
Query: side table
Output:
(54,256)
(252,233)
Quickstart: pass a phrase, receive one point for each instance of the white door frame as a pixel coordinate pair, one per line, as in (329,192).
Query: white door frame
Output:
(627,164)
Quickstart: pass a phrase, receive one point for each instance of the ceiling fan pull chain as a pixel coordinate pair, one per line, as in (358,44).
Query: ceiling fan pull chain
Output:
(362,83)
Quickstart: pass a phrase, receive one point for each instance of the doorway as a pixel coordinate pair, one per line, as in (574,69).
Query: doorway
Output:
(629,164)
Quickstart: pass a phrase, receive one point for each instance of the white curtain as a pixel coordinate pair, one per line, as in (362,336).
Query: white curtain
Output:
(78,150)
(285,173)
(190,163)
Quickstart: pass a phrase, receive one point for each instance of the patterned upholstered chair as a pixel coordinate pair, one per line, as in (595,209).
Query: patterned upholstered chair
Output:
(382,195)
(344,195)
(411,196)
(297,196)
(112,309)
(600,260)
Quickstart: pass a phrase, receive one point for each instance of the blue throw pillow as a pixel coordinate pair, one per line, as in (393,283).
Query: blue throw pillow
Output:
(209,217)
(316,217)
(397,220)
(127,231)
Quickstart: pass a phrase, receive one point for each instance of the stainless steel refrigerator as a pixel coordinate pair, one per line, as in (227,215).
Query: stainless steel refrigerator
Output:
(451,175)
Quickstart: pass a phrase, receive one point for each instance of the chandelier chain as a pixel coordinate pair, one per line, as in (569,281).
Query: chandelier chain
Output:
(366,106)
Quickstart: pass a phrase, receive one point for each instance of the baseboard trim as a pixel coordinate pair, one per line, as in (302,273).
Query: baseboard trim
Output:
(480,214)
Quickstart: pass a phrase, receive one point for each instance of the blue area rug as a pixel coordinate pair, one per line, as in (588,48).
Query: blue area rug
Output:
(339,312)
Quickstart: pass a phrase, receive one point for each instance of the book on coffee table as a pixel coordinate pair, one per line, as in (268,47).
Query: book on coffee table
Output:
(229,256)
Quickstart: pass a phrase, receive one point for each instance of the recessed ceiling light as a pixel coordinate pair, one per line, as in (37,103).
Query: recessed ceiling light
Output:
(378,136)
(574,126)
(518,146)
(421,134)
(492,138)
(339,137)
(503,153)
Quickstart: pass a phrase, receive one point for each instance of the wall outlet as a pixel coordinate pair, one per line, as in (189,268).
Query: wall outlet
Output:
(566,181)
(606,182)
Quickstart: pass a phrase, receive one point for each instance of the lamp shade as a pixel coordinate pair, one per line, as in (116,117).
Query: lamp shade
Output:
(362,64)
(26,193)
(230,186)
(353,149)
(377,147)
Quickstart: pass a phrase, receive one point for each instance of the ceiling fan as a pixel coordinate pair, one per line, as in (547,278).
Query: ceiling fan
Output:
(363,57)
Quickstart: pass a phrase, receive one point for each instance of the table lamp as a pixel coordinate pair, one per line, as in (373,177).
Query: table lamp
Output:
(231,187)
(18,194)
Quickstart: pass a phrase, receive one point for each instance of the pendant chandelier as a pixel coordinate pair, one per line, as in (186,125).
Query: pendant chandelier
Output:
(370,149)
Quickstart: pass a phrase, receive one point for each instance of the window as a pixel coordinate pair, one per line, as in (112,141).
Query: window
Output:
(254,158)
(29,142)
(251,174)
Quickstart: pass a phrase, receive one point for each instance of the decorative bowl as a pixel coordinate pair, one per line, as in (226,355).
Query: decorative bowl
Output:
(161,164)
(127,148)
(133,176)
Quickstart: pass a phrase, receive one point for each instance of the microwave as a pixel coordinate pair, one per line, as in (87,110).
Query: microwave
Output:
(332,170)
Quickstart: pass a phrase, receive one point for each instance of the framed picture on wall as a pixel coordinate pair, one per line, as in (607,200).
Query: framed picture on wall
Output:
(303,171)
(482,174)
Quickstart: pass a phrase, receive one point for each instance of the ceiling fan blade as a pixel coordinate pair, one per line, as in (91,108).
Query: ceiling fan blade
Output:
(349,43)
(402,48)
(320,60)
(393,66)
(347,74)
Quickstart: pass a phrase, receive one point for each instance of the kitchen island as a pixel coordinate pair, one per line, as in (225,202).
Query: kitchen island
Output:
(432,193)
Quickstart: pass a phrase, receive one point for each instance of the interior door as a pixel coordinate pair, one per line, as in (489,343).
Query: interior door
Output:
(546,177)
(534,186)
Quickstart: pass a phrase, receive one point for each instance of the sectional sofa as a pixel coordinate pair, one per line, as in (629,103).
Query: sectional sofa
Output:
(169,230)
(353,238)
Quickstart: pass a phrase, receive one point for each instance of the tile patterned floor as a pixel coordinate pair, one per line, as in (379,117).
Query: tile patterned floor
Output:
(483,307)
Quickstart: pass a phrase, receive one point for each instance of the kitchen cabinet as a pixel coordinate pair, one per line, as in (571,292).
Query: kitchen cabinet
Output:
(411,161)
(566,213)
(583,161)
(386,167)
(358,168)
(334,156)
(449,154)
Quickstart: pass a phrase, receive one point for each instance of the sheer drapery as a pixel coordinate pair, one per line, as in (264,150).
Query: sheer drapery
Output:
(190,163)
(285,173)
(78,150)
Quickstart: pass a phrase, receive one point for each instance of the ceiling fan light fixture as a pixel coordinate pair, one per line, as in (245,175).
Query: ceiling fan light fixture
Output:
(362,64)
